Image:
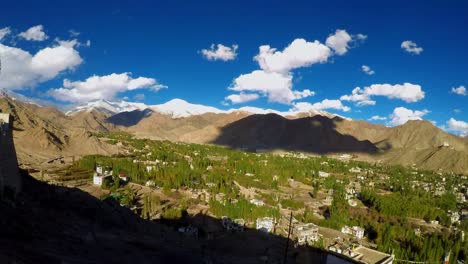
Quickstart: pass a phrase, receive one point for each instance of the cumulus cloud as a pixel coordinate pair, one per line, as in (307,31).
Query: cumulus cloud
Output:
(220,52)
(407,92)
(340,41)
(21,69)
(411,47)
(457,126)
(300,53)
(276,86)
(367,70)
(325,104)
(401,115)
(358,96)
(377,117)
(102,87)
(4,31)
(461,90)
(241,98)
(274,78)
(35,33)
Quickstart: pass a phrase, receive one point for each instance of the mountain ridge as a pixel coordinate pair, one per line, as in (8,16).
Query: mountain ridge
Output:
(46,132)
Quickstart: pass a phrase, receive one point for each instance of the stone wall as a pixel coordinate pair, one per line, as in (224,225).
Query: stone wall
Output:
(10,180)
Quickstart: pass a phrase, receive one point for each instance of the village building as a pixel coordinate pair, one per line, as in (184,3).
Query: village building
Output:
(149,168)
(257,202)
(306,233)
(356,231)
(150,183)
(100,177)
(123,177)
(417,232)
(352,202)
(265,224)
(323,174)
(355,170)
(454,217)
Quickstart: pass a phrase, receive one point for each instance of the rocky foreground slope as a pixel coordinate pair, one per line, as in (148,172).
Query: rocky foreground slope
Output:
(52,224)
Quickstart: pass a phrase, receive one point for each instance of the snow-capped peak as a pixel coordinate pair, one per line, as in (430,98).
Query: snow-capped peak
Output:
(178,108)
(181,108)
(108,106)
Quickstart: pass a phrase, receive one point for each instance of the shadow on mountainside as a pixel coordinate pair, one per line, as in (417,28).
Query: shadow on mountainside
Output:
(128,119)
(53,224)
(315,134)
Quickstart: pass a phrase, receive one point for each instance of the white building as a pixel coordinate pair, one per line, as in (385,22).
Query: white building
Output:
(356,231)
(323,174)
(99,179)
(257,202)
(454,217)
(99,170)
(355,170)
(306,233)
(150,183)
(265,224)
(352,202)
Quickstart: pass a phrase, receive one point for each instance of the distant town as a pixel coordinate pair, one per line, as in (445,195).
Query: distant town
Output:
(368,213)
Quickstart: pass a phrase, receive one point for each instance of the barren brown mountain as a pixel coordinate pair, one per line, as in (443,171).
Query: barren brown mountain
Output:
(42,133)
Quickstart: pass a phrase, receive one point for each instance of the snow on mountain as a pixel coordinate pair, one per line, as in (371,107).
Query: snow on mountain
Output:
(180,108)
(108,107)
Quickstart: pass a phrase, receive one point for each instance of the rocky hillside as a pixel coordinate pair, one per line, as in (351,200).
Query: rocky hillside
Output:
(41,133)
(44,132)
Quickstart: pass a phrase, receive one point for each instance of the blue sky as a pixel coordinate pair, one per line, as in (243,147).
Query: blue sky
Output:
(162,42)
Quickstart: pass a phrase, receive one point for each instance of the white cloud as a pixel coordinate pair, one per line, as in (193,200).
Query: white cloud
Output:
(325,104)
(21,69)
(274,79)
(102,87)
(459,90)
(359,97)
(241,98)
(339,41)
(401,115)
(360,37)
(407,92)
(220,52)
(377,117)
(4,31)
(457,126)
(276,86)
(300,53)
(35,33)
(367,70)
(411,47)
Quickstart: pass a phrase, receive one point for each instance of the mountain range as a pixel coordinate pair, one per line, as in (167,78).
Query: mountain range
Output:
(43,133)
